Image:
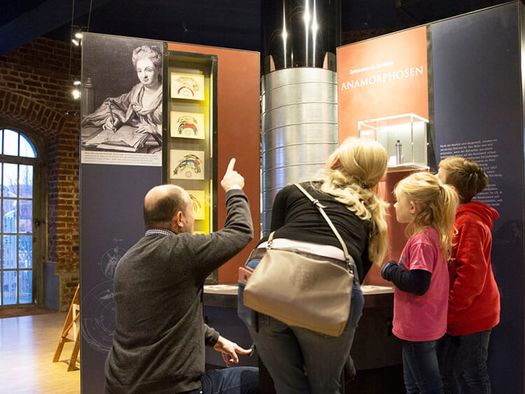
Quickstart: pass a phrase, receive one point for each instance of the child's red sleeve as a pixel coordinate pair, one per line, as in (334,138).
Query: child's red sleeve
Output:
(468,267)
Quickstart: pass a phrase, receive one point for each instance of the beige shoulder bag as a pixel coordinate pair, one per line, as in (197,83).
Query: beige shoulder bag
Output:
(303,290)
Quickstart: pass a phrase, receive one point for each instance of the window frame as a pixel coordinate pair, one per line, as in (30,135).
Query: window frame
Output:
(39,214)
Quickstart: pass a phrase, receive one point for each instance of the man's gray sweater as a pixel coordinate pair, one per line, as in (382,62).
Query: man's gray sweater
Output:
(158,344)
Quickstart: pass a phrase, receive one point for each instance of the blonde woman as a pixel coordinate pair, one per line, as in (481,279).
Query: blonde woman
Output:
(421,276)
(300,360)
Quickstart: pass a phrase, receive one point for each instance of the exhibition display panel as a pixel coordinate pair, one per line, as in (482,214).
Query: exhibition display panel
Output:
(450,76)
(190,123)
(191,137)
(235,116)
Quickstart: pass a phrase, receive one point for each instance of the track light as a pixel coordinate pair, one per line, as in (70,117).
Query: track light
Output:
(77,38)
(75,92)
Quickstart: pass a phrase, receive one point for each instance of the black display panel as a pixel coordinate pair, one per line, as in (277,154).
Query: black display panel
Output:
(111,222)
(478,113)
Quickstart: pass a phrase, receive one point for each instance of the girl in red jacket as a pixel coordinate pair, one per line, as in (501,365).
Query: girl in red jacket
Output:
(474,301)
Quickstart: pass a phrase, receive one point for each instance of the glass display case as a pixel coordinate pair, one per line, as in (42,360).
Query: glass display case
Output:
(403,136)
(190,150)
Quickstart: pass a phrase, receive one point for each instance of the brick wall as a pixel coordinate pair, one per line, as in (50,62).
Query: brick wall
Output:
(35,84)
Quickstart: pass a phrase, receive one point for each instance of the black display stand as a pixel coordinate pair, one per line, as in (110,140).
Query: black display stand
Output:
(478,113)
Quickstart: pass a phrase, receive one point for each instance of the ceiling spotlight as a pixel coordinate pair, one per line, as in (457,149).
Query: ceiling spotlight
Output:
(77,83)
(77,38)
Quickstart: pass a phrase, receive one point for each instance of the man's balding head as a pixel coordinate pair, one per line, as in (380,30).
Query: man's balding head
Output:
(161,203)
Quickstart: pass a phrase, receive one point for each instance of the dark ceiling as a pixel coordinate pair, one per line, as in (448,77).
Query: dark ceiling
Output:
(225,23)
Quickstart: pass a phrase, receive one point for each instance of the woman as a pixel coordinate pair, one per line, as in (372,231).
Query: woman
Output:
(132,121)
(299,360)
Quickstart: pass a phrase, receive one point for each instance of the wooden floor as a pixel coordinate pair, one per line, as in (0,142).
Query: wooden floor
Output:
(27,346)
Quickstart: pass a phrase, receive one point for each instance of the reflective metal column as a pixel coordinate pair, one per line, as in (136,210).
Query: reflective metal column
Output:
(299,92)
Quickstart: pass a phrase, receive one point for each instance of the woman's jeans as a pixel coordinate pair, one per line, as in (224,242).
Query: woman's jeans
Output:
(300,360)
(463,362)
(420,368)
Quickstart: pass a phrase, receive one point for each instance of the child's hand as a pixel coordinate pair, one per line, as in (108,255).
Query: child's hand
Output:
(387,268)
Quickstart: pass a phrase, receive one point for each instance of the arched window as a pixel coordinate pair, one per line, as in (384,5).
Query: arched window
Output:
(18,158)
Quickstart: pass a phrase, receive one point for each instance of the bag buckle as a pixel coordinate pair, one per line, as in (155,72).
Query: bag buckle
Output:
(270,240)
(318,204)
(350,266)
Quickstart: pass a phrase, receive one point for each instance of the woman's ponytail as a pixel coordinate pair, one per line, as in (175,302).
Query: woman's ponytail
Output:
(351,174)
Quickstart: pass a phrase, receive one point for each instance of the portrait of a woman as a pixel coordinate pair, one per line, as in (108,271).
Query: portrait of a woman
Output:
(131,122)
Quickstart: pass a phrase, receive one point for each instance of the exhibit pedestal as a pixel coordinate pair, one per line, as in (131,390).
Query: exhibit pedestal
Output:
(375,351)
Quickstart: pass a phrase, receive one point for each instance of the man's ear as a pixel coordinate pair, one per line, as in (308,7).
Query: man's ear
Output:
(176,221)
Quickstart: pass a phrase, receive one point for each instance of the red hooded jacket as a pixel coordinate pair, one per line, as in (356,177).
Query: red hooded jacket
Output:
(474,302)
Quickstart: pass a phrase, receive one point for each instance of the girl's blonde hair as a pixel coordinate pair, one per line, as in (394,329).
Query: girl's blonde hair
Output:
(435,206)
(351,172)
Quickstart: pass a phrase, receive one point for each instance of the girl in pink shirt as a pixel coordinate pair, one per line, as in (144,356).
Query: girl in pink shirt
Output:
(421,277)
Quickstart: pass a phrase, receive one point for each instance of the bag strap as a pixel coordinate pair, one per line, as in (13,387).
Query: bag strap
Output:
(320,207)
(270,240)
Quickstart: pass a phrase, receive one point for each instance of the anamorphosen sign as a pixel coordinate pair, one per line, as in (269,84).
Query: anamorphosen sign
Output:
(385,77)
(382,77)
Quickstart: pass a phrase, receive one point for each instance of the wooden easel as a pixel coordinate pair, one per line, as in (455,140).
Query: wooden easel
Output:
(71,332)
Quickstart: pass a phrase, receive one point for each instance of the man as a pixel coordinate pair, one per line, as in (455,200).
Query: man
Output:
(158,344)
